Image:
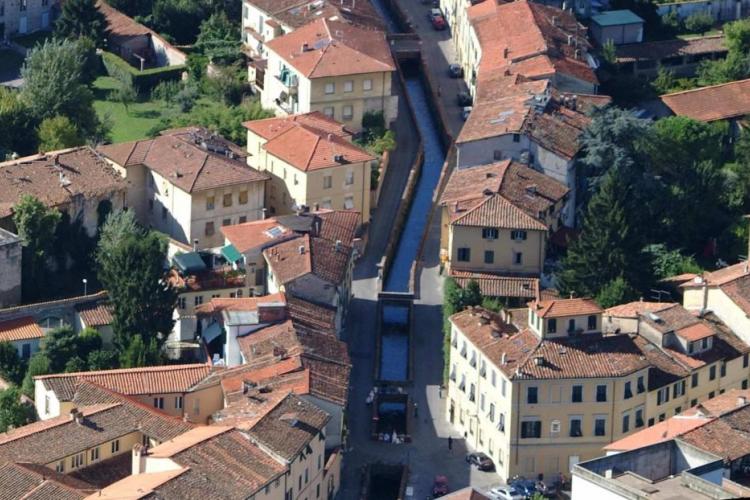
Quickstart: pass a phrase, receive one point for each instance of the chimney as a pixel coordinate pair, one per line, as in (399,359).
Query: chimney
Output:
(302,249)
(570,39)
(73,414)
(504,359)
(195,245)
(139,459)
(505,53)
(539,360)
(507,72)
(741,400)
(338,245)
(305,47)
(263,213)
(574,102)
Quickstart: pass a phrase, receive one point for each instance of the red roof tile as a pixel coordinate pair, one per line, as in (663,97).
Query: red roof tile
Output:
(634,309)
(495,285)
(270,128)
(707,104)
(496,211)
(25,328)
(566,307)
(95,313)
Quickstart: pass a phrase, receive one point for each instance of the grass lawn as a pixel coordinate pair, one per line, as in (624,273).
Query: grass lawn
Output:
(133,123)
(30,40)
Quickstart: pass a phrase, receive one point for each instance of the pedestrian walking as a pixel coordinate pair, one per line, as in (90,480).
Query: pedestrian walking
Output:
(450,443)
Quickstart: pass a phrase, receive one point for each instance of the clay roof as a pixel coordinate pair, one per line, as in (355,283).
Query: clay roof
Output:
(130,381)
(57,178)
(695,332)
(670,48)
(290,426)
(707,104)
(27,480)
(310,149)
(496,211)
(658,433)
(318,256)
(467,493)
(721,404)
(558,129)
(25,328)
(309,316)
(95,313)
(137,486)
(270,128)
(240,303)
(495,285)
(256,234)
(178,156)
(634,309)
(531,190)
(566,307)
(728,436)
(334,48)
(297,13)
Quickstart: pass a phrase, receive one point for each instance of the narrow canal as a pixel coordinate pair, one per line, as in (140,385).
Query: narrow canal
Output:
(397,279)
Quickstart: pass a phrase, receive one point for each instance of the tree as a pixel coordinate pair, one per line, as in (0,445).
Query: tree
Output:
(59,346)
(12,367)
(36,226)
(617,291)
(103,360)
(16,125)
(58,133)
(180,19)
(126,94)
(219,39)
(38,365)
(666,263)
(609,52)
(700,22)
(81,18)
(736,65)
(131,267)
(138,353)
(53,84)
(14,412)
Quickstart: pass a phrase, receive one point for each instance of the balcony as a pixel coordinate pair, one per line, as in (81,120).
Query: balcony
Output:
(288,81)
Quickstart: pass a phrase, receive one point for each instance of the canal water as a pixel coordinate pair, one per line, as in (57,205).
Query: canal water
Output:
(397,279)
(394,343)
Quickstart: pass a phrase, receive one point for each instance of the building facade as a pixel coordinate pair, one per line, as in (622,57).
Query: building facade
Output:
(19,17)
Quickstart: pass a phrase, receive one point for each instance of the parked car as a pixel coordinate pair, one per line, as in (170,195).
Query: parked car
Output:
(464,99)
(465,112)
(440,486)
(525,487)
(434,12)
(438,23)
(482,461)
(455,71)
(505,493)
(547,488)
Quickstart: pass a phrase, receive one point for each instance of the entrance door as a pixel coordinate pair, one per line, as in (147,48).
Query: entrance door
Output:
(22,27)
(45,19)
(572,460)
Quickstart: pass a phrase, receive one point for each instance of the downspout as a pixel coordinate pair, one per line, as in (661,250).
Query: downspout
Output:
(382,96)
(518,427)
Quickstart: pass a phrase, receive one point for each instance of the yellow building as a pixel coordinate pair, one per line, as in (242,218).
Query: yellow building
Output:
(540,393)
(340,69)
(312,163)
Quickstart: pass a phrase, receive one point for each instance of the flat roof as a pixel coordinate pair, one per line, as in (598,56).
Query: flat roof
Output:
(616,18)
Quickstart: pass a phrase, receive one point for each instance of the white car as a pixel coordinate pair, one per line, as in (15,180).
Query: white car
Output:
(505,493)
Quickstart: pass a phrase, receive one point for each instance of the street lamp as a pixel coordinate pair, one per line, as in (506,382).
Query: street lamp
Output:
(85,286)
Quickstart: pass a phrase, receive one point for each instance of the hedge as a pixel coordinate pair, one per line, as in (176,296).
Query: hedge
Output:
(144,80)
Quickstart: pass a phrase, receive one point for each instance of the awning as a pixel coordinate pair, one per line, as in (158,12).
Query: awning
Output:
(189,262)
(231,253)
(211,332)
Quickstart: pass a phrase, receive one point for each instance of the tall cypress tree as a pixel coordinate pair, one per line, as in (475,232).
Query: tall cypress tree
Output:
(81,18)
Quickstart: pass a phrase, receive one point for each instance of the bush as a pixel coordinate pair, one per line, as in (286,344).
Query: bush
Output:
(166,91)
(144,80)
(700,22)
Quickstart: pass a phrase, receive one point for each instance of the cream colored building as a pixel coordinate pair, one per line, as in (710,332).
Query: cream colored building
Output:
(188,183)
(333,67)
(312,163)
(540,393)
(19,17)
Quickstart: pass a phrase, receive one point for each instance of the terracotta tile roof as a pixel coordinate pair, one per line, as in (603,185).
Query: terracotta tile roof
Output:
(467,493)
(634,309)
(334,49)
(289,427)
(558,129)
(339,225)
(296,13)
(664,368)
(310,149)
(26,480)
(531,190)
(318,257)
(309,316)
(670,48)
(566,307)
(25,328)
(271,128)
(495,285)
(178,156)
(136,486)
(256,234)
(728,436)
(496,211)
(707,104)
(721,404)
(130,381)
(57,178)
(658,433)
(105,472)
(695,332)
(95,313)
(216,305)
(470,184)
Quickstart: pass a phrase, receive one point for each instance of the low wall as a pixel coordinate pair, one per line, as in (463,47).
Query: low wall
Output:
(721,10)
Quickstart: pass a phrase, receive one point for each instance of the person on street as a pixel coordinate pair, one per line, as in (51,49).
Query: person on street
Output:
(450,443)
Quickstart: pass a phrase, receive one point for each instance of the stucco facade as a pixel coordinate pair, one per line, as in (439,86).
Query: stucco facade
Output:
(19,17)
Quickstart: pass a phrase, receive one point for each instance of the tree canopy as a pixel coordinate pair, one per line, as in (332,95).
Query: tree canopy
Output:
(36,225)
(81,18)
(14,412)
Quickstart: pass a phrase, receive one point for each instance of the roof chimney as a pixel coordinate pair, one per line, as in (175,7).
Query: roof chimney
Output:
(741,400)
(73,414)
(338,245)
(302,249)
(305,47)
(505,53)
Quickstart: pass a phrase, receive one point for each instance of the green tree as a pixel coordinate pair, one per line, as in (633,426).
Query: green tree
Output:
(180,19)
(12,367)
(700,22)
(138,353)
(36,226)
(81,18)
(664,82)
(609,52)
(14,412)
(131,267)
(16,125)
(668,263)
(126,94)
(38,365)
(219,39)
(617,291)
(59,346)
(736,65)
(103,360)
(58,132)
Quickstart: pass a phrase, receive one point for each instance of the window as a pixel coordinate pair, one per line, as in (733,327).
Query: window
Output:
(330,88)
(641,385)
(516,138)
(518,258)
(639,418)
(625,423)
(76,461)
(242,219)
(601,393)
(723,370)
(531,429)
(744,384)
(712,373)
(694,402)
(745,359)
(710,394)
(159,403)
(575,427)
(347,112)
(492,412)
(554,427)
(60,467)
(489,257)
(348,86)
(662,417)
(532,395)
(349,202)
(678,410)
(243,198)
(600,425)
(571,325)
(198,300)
(367,84)
(327,181)
(349,178)
(650,421)
(115,447)
(679,389)
(502,388)
(592,322)
(26,351)
(22,5)
(577,395)
(552,327)
(150,205)
(662,396)
(694,380)
(490,233)
(181,302)
(94,455)
(226,222)
(328,111)
(210,202)
(628,391)
(517,235)
(501,423)
(464,254)
(209,229)
(178,402)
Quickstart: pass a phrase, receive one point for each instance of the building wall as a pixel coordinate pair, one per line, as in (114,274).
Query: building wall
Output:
(220,215)
(36,15)
(10,270)
(308,471)
(724,307)
(625,33)
(125,443)
(335,426)
(721,10)
(504,248)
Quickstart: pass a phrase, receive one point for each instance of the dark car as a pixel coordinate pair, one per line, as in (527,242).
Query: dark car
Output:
(525,487)
(548,489)
(440,486)
(482,461)
(438,22)
(464,99)
(455,71)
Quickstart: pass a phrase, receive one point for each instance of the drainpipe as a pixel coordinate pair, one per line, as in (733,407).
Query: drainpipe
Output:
(382,96)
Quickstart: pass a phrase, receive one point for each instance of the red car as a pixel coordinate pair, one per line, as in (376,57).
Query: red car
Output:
(440,486)
(438,22)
